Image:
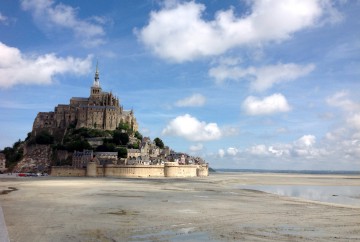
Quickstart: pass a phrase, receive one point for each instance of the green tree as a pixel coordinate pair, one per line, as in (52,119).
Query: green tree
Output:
(123,126)
(13,154)
(28,136)
(122,152)
(159,143)
(120,138)
(133,146)
(88,133)
(17,144)
(138,135)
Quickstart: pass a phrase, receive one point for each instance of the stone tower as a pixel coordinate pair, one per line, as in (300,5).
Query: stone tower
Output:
(96,89)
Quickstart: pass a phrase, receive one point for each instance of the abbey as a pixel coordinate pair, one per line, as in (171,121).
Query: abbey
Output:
(101,110)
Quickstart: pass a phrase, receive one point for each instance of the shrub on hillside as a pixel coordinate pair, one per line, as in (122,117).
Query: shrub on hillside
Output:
(78,145)
(107,147)
(44,138)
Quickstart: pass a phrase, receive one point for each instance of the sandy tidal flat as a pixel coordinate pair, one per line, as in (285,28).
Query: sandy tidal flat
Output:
(196,209)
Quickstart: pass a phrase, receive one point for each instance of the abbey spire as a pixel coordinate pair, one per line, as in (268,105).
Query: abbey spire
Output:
(96,79)
(96,89)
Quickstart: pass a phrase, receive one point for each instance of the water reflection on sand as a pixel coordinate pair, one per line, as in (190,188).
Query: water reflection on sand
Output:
(348,195)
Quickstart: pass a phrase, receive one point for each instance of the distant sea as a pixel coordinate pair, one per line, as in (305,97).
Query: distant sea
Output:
(320,172)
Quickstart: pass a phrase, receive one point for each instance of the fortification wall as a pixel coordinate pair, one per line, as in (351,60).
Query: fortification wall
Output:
(110,170)
(91,169)
(175,170)
(100,171)
(67,171)
(202,171)
(134,171)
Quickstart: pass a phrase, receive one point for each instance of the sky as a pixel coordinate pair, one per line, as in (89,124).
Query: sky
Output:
(247,84)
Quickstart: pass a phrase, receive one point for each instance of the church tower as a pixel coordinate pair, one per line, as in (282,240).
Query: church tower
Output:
(96,89)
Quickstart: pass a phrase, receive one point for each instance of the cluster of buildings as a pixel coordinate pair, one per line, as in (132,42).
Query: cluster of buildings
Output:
(147,161)
(147,154)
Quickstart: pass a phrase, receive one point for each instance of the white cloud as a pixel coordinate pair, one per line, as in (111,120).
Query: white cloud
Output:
(192,129)
(282,130)
(3,19)
(221,153)
(178,32)
(306,140)
(261,78)
(349,127)
(230,131)
(269,105)
(227,61)
(337,134)
(229,72)
(266,77)
(344,142)
(303,147)
(354,121)
(278,151)
(258,150)
(333,15)
(338,99)
(196,100)
(196,147)
(232,151)
(341,99)
(49,15)
(17,68)
(338,151)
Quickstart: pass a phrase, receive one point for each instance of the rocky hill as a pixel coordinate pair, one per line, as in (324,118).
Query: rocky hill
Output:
(36,158)
(97,123)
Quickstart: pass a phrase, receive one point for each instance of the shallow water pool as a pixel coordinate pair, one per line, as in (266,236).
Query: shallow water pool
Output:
(348,195)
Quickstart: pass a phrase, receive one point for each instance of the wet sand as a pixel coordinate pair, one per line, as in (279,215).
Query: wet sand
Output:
(196,209)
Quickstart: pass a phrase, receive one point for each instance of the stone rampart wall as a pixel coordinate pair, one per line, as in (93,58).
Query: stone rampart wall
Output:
(134,171)
(167,170)
(175,170)
(67,171)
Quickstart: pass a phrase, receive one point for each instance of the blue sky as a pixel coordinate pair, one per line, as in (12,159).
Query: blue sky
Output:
(245,84)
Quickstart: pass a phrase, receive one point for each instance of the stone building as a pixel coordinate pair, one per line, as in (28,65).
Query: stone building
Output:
(133,153)
(101,110)
(81,158)
(2,162)
(107,157)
